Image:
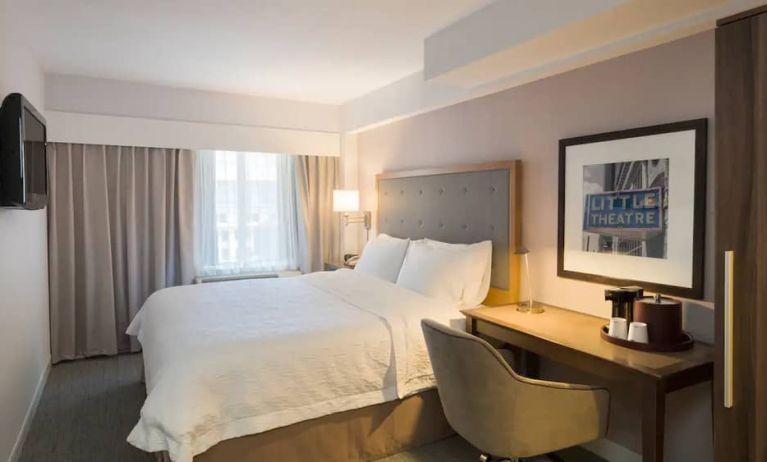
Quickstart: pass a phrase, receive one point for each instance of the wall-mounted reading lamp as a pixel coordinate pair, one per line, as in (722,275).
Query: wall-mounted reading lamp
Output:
(347,201)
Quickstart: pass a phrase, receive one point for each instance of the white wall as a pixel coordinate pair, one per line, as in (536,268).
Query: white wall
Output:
(114,97)
(68,127)
(24,329)
(485,52)
(100,111)
(353,235)
(501,25)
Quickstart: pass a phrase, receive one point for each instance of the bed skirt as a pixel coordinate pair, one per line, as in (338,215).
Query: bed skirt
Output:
(357,435)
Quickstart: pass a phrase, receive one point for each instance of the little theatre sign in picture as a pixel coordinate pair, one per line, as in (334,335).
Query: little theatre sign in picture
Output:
(636,214)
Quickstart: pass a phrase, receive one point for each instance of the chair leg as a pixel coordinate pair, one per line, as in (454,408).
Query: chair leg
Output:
(489,458)
(554,457)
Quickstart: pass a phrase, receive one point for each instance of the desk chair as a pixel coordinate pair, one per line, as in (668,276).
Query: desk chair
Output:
(502,413)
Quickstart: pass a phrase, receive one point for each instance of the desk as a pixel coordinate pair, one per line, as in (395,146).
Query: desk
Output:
(573,338)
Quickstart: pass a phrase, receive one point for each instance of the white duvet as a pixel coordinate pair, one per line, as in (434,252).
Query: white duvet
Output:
(236,358)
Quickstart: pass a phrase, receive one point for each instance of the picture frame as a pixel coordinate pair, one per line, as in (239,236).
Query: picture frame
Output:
(632,208)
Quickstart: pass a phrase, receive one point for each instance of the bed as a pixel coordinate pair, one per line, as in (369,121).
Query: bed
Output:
(326,366)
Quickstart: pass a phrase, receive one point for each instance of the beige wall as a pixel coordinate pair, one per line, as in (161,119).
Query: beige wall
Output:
(24,344)
(668,83)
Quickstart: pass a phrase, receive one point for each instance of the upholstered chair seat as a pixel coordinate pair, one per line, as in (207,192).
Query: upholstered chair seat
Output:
(502,413)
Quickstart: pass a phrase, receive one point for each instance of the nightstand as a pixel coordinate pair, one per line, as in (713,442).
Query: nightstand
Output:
(332,266)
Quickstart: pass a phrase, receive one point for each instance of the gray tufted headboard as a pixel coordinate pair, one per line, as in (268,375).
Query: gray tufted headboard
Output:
(464,204)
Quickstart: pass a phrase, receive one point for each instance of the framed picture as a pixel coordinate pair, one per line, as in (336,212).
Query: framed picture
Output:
(632,207)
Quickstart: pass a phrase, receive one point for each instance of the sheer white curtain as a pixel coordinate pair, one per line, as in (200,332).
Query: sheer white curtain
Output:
(245,213)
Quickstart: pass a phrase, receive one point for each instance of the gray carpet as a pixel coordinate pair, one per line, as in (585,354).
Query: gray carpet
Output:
(89,407)
(86,411)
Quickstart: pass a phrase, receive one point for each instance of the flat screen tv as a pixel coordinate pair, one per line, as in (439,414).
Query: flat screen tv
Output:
(23,170)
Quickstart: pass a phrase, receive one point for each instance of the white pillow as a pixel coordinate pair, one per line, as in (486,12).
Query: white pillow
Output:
(478,284)
(382,257)
(452,275)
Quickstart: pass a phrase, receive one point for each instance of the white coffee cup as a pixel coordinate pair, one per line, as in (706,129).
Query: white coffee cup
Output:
(618,328)
(638,332)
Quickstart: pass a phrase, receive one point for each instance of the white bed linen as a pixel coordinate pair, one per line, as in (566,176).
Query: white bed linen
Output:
(229,359)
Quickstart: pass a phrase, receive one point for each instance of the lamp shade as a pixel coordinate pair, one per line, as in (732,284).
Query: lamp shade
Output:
(346,200)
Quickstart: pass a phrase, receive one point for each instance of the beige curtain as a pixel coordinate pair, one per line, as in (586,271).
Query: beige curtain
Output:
(119,229)
(320,235)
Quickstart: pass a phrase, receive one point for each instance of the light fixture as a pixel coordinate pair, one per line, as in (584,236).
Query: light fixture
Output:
(530,308)
(347,201)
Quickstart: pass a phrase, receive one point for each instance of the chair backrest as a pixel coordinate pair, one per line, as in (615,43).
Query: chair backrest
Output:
(480,393)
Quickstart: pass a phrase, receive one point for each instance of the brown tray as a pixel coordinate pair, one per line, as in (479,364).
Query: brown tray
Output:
(685,344)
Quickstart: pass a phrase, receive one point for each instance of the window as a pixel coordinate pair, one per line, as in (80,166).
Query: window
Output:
(245,213)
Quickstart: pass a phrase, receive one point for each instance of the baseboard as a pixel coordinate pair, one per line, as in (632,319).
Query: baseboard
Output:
(31,411)
(579,454)
(611,451)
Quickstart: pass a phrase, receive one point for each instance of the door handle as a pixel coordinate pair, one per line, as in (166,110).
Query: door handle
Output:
(729,293)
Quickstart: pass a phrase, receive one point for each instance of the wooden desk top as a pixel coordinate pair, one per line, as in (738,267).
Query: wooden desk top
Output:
(580,332)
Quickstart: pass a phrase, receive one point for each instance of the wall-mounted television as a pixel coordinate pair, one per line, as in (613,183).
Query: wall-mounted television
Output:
(23,169)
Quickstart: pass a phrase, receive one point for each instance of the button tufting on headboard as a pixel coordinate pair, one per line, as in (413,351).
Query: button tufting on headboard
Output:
(469,206)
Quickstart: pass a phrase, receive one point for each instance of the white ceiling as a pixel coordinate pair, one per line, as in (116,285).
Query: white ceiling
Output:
(326,51)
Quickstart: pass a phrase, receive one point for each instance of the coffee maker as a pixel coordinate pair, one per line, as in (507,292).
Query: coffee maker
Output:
(623,301)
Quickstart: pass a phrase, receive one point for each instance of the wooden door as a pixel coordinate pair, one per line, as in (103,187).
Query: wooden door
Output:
(740,426)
